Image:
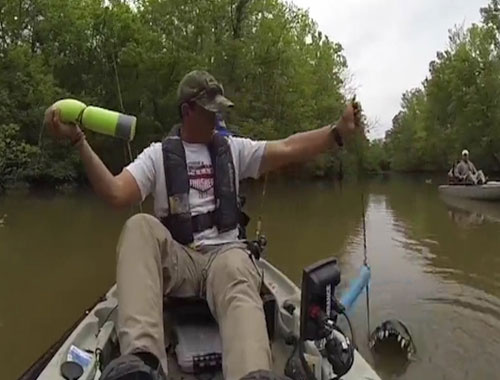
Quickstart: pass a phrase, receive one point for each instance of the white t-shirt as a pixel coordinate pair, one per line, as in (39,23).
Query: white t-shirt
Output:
(149,173)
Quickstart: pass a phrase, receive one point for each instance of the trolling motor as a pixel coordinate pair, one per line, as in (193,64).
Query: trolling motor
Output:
(318,322)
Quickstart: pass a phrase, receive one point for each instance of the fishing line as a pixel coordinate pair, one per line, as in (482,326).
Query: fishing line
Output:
(365,263)
(261,208)
(122,107)
(130,157)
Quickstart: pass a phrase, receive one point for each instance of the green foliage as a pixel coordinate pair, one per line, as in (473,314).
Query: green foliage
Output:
(377,157)
(16,156)
(457,106)
(283,74)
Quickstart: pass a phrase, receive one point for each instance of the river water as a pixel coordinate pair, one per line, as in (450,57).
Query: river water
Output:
(435,265)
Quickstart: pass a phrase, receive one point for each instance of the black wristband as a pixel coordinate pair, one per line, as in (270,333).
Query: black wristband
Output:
(337,137)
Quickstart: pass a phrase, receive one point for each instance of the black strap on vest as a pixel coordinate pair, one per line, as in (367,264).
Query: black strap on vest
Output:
(227,210)
(203,222)
(179,221)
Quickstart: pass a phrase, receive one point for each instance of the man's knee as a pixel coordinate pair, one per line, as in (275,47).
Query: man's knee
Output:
(139,232)
(139,221)
(145,225)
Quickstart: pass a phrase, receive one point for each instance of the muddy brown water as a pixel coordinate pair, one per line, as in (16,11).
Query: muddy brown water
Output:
(435,264)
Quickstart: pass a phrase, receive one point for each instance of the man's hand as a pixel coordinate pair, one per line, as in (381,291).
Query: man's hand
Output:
(350,122)
(305,145)
(121,190)
(60,130)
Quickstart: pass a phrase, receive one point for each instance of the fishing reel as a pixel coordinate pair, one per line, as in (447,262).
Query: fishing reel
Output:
(318,323)
(257,246)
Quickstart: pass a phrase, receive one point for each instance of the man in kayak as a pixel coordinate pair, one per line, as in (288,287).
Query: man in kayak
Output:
(466,172)
(191,248)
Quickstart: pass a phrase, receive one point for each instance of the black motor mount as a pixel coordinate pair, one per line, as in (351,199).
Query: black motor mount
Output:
(318,317)
(318,289)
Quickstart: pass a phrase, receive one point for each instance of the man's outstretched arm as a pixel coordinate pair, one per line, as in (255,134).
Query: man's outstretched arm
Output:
(306,145)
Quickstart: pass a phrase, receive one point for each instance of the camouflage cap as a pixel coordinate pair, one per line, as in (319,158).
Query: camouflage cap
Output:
(202,88)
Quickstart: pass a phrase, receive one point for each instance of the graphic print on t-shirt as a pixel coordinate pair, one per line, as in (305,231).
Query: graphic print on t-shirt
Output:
(201,178)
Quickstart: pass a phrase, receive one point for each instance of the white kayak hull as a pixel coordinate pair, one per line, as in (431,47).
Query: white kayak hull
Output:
(97,330)
(487,192)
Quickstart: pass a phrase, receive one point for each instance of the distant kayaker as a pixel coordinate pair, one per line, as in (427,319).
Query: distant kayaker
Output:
(466,172)
(191,248)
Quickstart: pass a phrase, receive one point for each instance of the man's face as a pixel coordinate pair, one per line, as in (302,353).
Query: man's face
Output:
(202,123)
(465,157)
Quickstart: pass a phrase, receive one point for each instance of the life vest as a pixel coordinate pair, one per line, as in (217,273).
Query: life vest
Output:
(179,221)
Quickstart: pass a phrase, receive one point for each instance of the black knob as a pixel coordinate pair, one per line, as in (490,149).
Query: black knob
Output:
(71,370)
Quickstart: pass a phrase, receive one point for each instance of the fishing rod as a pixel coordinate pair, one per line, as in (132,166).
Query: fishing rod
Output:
(258,230)
(122,107)
(258,245)
(365,263)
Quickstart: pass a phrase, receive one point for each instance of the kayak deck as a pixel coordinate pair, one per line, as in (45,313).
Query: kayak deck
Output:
(96,334)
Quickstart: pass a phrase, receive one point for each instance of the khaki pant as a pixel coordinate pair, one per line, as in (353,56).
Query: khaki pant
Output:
(152,264)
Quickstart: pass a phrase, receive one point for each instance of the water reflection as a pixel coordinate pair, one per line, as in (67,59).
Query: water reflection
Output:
(467,256)
(468,212)
(456,301)
(466,219)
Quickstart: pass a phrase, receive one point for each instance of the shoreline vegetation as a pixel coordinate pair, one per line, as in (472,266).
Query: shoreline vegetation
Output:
(457,106)
(282,72)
